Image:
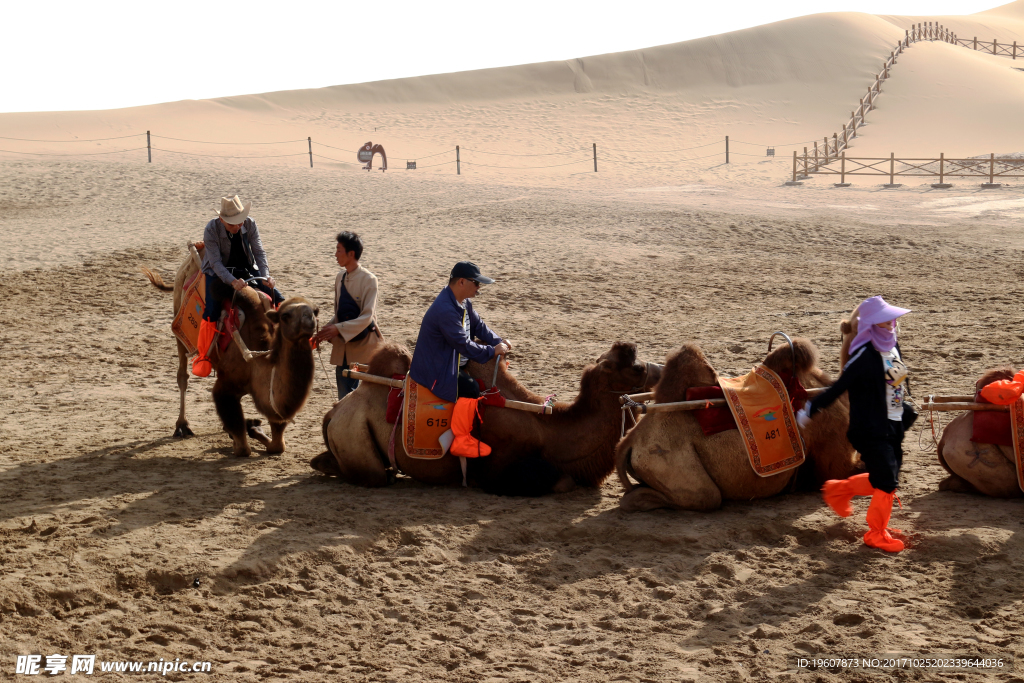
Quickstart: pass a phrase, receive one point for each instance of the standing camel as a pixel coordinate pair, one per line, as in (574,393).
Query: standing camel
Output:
(531,454)
(679,467)
(288,364)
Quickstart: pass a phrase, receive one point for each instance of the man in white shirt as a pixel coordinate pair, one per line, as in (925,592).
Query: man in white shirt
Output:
(353,330)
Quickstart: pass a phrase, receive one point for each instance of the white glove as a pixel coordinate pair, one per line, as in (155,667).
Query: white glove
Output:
(803,416)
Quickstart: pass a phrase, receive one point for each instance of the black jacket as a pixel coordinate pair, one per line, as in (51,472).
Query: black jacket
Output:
(864,378)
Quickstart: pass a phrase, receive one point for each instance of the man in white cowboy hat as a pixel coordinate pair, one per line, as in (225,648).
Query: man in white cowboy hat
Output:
(234,254)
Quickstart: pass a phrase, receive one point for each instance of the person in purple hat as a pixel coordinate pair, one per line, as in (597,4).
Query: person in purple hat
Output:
(876,379)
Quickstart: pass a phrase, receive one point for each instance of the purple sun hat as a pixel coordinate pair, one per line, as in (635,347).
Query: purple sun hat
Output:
(870,313)
(876,310)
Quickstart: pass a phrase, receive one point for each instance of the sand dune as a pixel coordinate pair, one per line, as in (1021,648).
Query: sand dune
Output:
(790,81)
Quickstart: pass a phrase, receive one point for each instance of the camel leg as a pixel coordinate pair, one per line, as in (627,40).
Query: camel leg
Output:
(325,463)
(253,429)
(229,409)
(181,428)
(675,475)
(356,458)
(644,498)
(276,444)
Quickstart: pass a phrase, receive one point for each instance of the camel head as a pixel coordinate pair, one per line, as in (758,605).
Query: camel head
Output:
(390,359)
(619,371)
(781,358)
(684,368)
(295,319)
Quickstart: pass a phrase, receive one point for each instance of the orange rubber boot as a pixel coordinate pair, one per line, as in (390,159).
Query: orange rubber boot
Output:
(839,492)
(465,444)
(877,535)
(201,366)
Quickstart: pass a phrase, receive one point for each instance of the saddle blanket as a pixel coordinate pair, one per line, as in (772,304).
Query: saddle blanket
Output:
(425,418)
(761,406)
(186,322)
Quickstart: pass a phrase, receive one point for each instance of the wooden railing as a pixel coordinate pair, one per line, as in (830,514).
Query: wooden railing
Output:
(832,148)
(989,169)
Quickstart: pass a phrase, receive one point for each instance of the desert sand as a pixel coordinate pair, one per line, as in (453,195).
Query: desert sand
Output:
(121,541)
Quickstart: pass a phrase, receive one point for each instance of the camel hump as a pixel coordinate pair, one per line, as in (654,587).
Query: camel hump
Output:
(157,281)
(684,368)
(994,375)
(390,359)
(781,358)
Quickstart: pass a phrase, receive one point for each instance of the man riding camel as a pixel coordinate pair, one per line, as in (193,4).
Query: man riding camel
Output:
(234,254)
(444,346)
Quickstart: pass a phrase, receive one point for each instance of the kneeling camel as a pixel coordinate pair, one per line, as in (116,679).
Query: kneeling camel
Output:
(985,468)
(679,467)
(531,454)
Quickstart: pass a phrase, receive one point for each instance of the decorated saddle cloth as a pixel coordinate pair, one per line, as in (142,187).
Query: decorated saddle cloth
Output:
(761,406)
(186,323)
(426,417)
(1017,426)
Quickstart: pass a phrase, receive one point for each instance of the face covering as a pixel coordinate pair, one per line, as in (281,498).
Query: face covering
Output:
(882,339)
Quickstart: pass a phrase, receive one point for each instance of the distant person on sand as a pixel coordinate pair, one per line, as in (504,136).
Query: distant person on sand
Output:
(876,379)
(352,331)
(234,254)
(444,346)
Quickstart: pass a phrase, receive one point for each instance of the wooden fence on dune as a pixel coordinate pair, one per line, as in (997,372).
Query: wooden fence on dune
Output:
(990,169)
(833,149)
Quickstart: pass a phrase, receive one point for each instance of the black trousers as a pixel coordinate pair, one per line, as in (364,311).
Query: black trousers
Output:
(217,291)
(468,388)
(883,457)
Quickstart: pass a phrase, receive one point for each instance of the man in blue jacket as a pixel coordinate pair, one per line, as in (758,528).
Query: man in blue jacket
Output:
(445,344)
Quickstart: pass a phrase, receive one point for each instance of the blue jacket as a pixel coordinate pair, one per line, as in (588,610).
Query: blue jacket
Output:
(442,340)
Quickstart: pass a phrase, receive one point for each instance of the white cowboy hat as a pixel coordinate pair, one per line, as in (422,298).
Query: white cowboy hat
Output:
(232,211)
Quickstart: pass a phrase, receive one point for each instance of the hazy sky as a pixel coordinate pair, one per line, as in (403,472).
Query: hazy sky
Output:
(63,55)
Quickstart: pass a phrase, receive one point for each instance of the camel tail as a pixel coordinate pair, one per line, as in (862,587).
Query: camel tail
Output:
(157,281)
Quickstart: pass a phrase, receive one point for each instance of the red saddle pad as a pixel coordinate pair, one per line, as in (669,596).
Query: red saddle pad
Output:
(715,419)
(991,427)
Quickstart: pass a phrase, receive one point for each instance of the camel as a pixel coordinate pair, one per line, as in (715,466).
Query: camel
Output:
(983,468)
(679,467)
(531,454)
(287,364)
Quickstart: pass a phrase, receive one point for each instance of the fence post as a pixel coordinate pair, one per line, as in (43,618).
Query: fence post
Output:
(826,148)
(846,139)
(727,149)
(794,165)
(892,168)
(310,141)
(595,157)
(842,170)
(994,44)
(942,167)
(816,164)
(1015,49)
(458,161)
(992,169)
(975,42)
(149,148)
